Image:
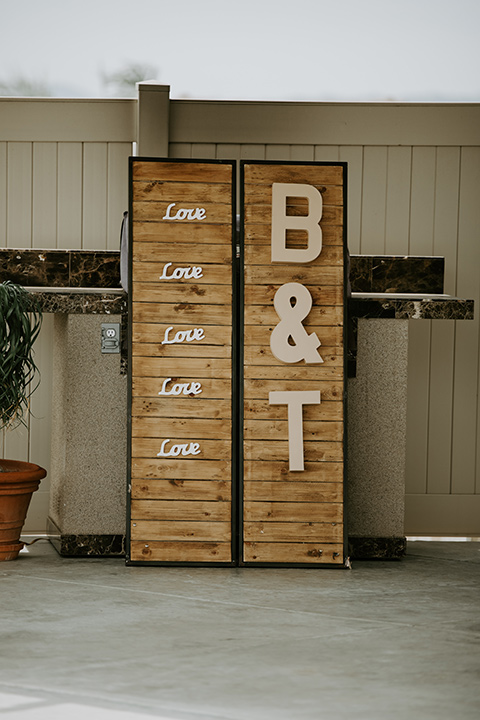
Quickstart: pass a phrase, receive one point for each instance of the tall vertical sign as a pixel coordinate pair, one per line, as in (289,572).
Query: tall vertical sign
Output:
(181,240)
(293,363)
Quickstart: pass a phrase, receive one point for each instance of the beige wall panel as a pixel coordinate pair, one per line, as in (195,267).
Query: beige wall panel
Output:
(417,405)
(94,196)
(70,195)
(252,152)
(180,150)
(442,515)
(466,414)
(327,153)
(302,153)
(44,226)
(117,198)
(228,151)
(19,195)
(447,179)
(277,152)
(354,157)
(399,162)
(203,150)
(422,201)
(439,438)
(373,201)
(57,120)
(16,445)
(337,123)
(3,194)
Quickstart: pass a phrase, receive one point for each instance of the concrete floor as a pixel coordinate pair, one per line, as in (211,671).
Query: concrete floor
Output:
(93,639)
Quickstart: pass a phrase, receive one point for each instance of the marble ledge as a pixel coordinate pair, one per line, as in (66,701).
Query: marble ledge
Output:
(82,302)
(408,307)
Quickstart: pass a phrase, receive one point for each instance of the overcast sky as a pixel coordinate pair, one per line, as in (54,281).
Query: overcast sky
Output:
(250,49)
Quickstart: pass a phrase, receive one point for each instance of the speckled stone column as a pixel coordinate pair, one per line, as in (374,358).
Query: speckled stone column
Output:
(377,415)
(88,470)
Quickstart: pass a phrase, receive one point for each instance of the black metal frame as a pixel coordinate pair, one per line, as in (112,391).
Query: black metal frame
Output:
(234,443)
(346,562)
(237,380)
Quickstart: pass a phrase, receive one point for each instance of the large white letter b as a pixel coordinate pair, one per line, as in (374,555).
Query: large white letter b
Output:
(281,222)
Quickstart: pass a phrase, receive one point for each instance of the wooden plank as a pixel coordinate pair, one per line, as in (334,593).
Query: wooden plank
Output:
(177,469)
(332,336)
(182,350)
(373,200)
(311,553)
(330,390)
(292,532)
(181,192)
(278,430)
(292,512)
(260,409)
(267,174)
(182,172)
(180,510)
(183,367)
(177,407)
(278,450)
(268,471)
(151,530)
(155,333)
(262,275)
(188,552)
(215,213)
(308,492)
(295,372)
(179,489)
(182,252)
(262,214)
(262,194)
(209,449)
(261,255)
(149,387)
(260,355)
(177,293)
(320,315)
(196,429)
(262,235)
(164,232)
(265,294)
(149,272)
(182,313)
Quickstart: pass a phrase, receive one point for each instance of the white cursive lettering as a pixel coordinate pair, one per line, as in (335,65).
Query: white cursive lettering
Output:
(185,213)
(189,273)
(193,388)
(183,335)
(180,449)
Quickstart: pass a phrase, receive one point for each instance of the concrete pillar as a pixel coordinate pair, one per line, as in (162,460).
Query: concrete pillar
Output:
(153,119)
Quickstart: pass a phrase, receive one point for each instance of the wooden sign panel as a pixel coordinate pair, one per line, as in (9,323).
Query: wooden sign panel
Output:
(293,323)
(181,240)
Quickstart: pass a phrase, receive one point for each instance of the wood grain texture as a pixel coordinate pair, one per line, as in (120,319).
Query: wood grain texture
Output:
(293,516)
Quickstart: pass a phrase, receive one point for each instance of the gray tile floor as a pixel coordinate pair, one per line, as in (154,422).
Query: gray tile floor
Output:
(384,641)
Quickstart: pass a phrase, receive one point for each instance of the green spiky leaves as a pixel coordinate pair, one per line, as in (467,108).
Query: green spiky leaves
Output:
(20,322)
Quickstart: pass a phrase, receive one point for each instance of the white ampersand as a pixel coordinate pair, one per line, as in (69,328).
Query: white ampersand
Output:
(290,326)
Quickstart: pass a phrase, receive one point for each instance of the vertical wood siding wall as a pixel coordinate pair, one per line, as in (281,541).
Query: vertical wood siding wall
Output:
(64,195)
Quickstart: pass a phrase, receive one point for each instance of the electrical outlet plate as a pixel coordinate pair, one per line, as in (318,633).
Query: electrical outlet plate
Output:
(110,337)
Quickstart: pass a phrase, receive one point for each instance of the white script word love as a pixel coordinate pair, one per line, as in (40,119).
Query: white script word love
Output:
(193,388)
(183,335)
(189,273)
(180,449)
(185,213)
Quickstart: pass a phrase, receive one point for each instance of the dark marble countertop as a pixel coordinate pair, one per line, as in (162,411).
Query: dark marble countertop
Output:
(361,305)
(407,306)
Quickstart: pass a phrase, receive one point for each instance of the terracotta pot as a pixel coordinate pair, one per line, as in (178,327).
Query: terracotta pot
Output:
(18,481)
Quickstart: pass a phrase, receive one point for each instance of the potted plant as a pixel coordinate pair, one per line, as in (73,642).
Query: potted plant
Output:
(20,322)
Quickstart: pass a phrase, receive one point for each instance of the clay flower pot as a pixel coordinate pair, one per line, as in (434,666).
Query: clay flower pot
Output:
(18,481)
